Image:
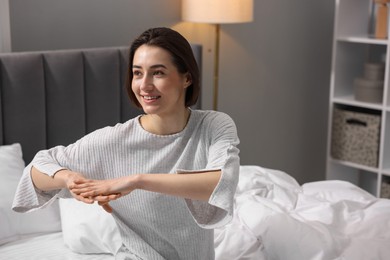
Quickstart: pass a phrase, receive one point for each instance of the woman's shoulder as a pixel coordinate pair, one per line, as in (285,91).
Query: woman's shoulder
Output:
(117,129)
(213,122)
(211,116)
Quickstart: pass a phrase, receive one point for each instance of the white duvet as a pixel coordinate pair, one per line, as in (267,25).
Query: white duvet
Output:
(276,218)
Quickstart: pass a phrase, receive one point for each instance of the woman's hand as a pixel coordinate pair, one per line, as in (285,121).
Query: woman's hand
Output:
(69,178)
(103,191)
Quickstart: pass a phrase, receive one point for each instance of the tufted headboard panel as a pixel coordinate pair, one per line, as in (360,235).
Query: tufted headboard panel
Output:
(55,97)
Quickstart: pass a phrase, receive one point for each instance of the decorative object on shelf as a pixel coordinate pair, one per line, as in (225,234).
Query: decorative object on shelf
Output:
(355,136)
(381,19)
(370,87)
(217,12)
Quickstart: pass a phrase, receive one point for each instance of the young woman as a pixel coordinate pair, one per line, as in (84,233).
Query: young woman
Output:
(168,176)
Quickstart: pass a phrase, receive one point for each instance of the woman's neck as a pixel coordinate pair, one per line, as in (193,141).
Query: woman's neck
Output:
(166,125)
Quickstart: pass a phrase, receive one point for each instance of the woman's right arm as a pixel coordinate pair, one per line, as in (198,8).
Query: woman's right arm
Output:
(45,182)
(66,179)
(60,180)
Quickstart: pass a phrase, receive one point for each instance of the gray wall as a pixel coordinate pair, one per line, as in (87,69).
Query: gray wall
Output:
(274,72)
(5,34)
(277,85)
(64,24)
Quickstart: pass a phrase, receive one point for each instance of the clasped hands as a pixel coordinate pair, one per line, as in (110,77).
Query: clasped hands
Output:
(100,191)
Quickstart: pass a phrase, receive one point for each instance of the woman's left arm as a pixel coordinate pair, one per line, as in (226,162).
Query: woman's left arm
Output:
(194,185)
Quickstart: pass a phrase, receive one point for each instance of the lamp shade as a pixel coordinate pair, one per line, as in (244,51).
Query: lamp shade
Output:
(217,11)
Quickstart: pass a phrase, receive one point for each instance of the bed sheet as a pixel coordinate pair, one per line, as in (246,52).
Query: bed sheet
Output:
(45,247)
(276,218)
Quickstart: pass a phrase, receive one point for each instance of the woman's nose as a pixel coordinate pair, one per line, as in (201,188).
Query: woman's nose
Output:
(146,84)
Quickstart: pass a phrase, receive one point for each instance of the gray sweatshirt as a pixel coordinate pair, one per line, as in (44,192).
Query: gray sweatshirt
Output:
(152,225)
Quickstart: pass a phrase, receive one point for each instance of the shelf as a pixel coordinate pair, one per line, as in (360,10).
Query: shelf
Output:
(355,165)
(362,39)
(350,100)
(354,45)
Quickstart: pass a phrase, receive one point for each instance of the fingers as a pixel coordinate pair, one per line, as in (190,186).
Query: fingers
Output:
(81,187)
(87,189)
(88,194)
(99,198)
(103,201)
(106,207)
(106,198)
(94,191)
(82,181)
(83,199)
(96,194)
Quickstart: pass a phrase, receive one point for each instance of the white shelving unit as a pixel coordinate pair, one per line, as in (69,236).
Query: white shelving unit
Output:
(354,45)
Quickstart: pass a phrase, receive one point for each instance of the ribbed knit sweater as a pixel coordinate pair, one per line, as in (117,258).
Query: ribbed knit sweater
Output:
(152,225)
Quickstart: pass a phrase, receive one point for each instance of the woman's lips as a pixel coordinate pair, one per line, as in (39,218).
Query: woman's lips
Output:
(149,99)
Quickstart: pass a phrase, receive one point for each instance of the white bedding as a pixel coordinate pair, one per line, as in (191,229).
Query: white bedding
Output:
(274,218)
(45,247)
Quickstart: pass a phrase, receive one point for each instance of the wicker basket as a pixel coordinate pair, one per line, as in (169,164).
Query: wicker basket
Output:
(355,137)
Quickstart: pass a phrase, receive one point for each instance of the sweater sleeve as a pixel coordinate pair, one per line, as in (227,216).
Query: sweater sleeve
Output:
(82,156)
(28,197)
(223,155)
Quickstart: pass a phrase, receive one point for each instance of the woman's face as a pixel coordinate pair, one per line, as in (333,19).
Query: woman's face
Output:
(157,84)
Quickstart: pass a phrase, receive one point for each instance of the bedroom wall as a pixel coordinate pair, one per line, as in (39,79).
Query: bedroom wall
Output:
(279,76)
(5,34)
(274,82)
(47,24)
(274,72)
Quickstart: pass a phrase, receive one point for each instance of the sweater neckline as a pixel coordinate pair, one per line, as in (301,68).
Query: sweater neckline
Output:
(190,119)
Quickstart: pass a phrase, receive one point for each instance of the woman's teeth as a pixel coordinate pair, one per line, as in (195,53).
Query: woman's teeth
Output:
(150,97)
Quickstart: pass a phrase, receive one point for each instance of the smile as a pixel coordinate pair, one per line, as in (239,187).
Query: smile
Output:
(150,97)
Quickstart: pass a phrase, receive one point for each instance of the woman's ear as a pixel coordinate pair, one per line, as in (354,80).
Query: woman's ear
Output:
(188,80)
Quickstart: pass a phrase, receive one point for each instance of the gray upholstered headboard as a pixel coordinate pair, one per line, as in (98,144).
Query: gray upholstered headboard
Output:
(55,97)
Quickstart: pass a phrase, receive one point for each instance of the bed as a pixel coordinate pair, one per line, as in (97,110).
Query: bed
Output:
(55,97)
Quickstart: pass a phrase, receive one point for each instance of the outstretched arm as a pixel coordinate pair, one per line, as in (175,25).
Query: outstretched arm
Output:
(196,186)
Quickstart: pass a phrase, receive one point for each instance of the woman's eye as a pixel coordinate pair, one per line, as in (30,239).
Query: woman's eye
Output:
(158,72)
(137,73)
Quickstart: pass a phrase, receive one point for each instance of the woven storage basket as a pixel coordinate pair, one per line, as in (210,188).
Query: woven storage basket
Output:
(355,137)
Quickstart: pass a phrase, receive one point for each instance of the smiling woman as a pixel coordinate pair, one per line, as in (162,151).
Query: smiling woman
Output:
(168,176)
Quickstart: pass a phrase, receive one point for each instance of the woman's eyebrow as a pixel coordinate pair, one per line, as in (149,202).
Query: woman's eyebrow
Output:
(158,66)
(152,67)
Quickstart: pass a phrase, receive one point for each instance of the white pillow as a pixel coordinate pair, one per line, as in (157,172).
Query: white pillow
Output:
(17,225)
(88,229)
(336,190)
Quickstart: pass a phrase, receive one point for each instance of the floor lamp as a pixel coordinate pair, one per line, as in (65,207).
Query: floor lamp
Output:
(217,12)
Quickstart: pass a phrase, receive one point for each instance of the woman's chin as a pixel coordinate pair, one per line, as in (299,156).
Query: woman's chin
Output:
(150,110)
